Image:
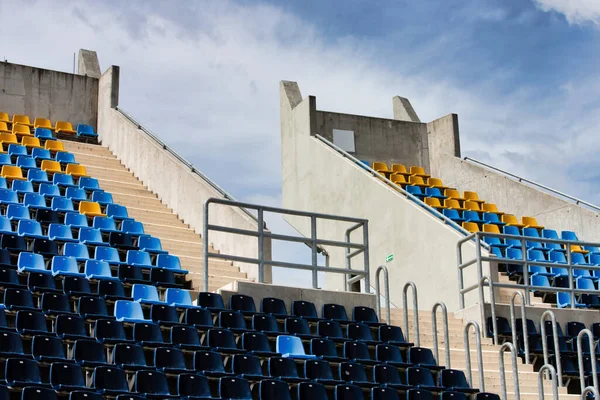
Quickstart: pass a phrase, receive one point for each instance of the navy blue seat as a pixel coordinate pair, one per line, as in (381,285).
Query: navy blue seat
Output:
(448,395)
(358,352)
(242,303)
(111,290)
(331,330)
(164,277)
(45,247)
(384,393)
(31,322)
(209,363)
(13,243)
(164,315)
(334,312)
(348,392)
(70,327)
(211,301)
(147,334)
(269,389)
(257,343)
(47,216)
(391,355)
(89,353)
(76,286)
(325,349)
(18,299)
(247,366)
(48,349)
(305,310)
(85,395)
(66,377)
(355,374)
(193,387)
(20,372)
(185,337)
(131,274)
(234,388)
(298,327)
(232,320)
(221,340)
(455,380)
(11,345)
(265,323)
(10,279)
(423,379)
(129,356)
(199,317)
(170,360)
(360,332)
(366,316)
(389,376)
(120,240)
(273,306)
(284,369)
(37,393)
(311,391)
(423,357)
(392,335)
(110,380)
(419,394)
(320,371)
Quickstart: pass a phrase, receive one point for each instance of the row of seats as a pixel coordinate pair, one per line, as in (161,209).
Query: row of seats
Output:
(44,123)
(10,144)
(37,158)
(11,172)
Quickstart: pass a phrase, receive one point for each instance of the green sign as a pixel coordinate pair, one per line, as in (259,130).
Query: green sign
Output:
(389,258)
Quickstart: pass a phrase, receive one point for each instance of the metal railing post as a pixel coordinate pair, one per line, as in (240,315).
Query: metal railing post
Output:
(205,245)
(589,389)
(549,313)
(549,369)
(590,336)
(477,330)
(461,282)
(492,305)
(570,274)
(513,323)
(313,237)
(386,283)
(415,311)
(366,256)
(525,264)
(441,306)
(515,371)
(261,233)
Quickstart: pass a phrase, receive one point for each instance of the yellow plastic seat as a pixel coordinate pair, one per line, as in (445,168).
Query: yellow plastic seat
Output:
(54,145)
(21,130)
(473,196)
(531,222)
(400,169)
(42,123)
(511,220)
(4,127)
(472,205)
(11,172)
(437,183)
(491,228)
(399,180)
(470,227)
(418,171)
(434,202)
(4,117)
(50,166)
(76,170)
(453,204)
(64,127)
(30,142)
(21,120)
(453,194)
(90,209)
(575,248)
(417,181)
(490,208)
(8,138)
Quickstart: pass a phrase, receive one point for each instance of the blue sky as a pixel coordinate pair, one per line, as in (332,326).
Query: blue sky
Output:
(523,75)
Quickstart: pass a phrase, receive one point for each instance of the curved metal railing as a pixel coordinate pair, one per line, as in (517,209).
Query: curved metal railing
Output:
(477,330)
(513,323)
(515,372)
(412,285)
(545,315)
(386,282)
(442,307)
(549,369)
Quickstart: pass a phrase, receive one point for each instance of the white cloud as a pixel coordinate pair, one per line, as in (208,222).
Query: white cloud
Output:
(576,11)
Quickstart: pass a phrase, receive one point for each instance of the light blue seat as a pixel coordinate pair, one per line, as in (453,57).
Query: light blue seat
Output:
(62,204)
(168,261)
(91,236)
(30,262)
(150,244)
(540,281)
(49,190)
(291,346)
(578,259)
(8,196)
(3,183)
(64,157)
(512,230)
(64,265)
(117,211)
(17,150)
(569,235)
(132,227)
(64,180)
(5,159)
(108,254)
(495,250)
(178,297)
(558,257)
(26,162)
(37,176)
(76,220)
(138,258)
(145,294)
(105,224)
(129,311)
(533,232)
(104,198)
(95,269)
(5,225)
(60,233)
(77,251)
(563,300)
(86,130)
(473,216)
(40,154)
(495,241)
(30,228)
(34,201)
(77,194)
(17,212)
(22,187)
(87,183)
(43,134)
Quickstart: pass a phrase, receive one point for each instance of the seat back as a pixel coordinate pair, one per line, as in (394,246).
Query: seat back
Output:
(21,370)
(356,351)
(127,355)
(387,374)
(160,313)
(273,305)
(273,390)
(66,374)
(128,310)
(387,353)
(30,321)
(384,393)
(420,376)
(210,300)
(264,323)
(198,316)
(231,319)
(208,361)
(193,385)
(220,338)
(358,332)
(144,293)
(240,302)
(70,325)
(36,393)
(296,326)
(89,350)
(92,306)
(246,364)
(348,392)
(311,391)
(255,341)
(177,297)
(304,309)
(184,335)
(291,345)
(352,372)
(144,332)
(364,314)
(110,378)
(330,329)
(282,367)
(317,369)
(323,348)
(234,388)
(167,357)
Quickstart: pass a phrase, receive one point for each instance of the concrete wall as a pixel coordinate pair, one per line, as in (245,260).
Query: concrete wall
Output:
(180,189)
(58,96)
(316,178)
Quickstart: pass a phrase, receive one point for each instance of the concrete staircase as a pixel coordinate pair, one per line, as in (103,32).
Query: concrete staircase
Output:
(527,377)
(159,220)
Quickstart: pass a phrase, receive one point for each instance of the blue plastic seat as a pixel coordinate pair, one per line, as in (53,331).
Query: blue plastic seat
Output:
(170,360)
(5,226)
(76,250)
(331,330)
(7,197)
(360,332)
(311,391)
(492,218)
(43,134)
(10,279)
(147,334)
(138,258)
(221,340)
(358,352)
(64,180)
(17,212)
(273,306)
(198,317)
(102,197)
(291,346)
(93,307)
(415,191)
(284,368)
(234,388)
(3,184)
(297,327)
(105,224)
(551,234)
(35,201)
(64,157)
(48,349)
(86,130)
(257,343)
(49,190)
(348,392)
(17,150)
(66,376)
(108,254)
(178,297)
(392,335)
(40,154)
(91,236)
(22,187)
(65,265)
(132,227)
(11,345)
(325,349)
(563,300)
(184,337)
(110,381)
(26,162)
(533,232)
(191,386)
(169,261)
(434,192)
(22,372)
(145,294)
(473,216)
(31,262)
(391,355)
(209,363)
(150,244)
(320,371)
(70,327)
(95,269)
(129,311)
(243,304)
(117,211)
(454,215)
(75,193)
(232,320)
(18,299)
(62,204)
(110,331)
(88,183)
(30,322)
(354,373)
(61,233)
(5,159)
(76,220)
(512,230)
(455,380)
(304,309)
(422,378)
(55,304)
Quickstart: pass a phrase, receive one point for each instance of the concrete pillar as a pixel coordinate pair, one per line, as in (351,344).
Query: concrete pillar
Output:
(403,110)
(443,140)
(88,64)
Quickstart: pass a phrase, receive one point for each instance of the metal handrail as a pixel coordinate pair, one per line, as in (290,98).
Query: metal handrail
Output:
(492,305)
(539,185)
(412,285)
(513,323)
(546,314)
(386,283)
(179,157)
(589,389)
(549,369)
(515,371)
(367,168)
(444,309)
(477,330)
(591,342)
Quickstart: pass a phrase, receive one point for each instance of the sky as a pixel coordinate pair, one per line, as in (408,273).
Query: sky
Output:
(523,75)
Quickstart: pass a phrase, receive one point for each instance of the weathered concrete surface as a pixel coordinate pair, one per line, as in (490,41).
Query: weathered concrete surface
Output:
(180,189)
(43,93)
(316,178)
(87,64)
(403,110)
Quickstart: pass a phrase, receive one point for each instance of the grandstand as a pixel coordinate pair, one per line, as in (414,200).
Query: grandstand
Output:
(127,273)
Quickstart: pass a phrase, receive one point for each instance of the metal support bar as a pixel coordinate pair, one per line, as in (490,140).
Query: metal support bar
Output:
(441,306)
(549,369)
(415,311)
(513,323)
(492,304)
(477,330)
(589,389)
(509,346)
(545,315)
(593,361)
(386,283)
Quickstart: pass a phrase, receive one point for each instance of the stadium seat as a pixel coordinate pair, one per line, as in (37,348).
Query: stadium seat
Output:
(209,363)
(147,334)
(11,345)
(31,142)
(305,310)
(232,320)
(55,304)
(22,372)
(65,265)
(3,126)
(384,393)
(472,196)
(131,274)
(530,222)
(78,171)
(285,369)
(43,134)
(423,357)
(54,145)
(11,173)
(31,323)
(311,391)
(10,279)
(198,317)
(110,381)
(417,181)
(40,154)
(257,343)
(473,216)
(87,395)
(331,330)
(129,311)
(453,204)
(360,332)
(320,371)
(150,245)
(348,392)
(64,157)
(470,227)
(325,349)
(455,380)
(265,323)
(66,377)
(90,209)
(48,190)
(297,327)
(26,163)
(392,335)
(70,327)
(145,294)
(399,180)
(92,307)
(112,332)
(164,315)
(185,337)
(13,243)
(291,347)
(119,212)
(273,390)
(170,360)
(434,203)
(64,127)
(234,388)
(48,349)
(88,183)
(31,262)
(511,220)
(211,301)
(63,180)
(131,227)
(8,196)
(221,340)
(247,366)
(357,352)
(50,166)
(334,312)
(195,387)
(77,251)
(389,376)
(18,299)
(86,130)
(380,167)
(76,286)
(273,306)
(102,198)
(112,290)
(20,130)
(422,378)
